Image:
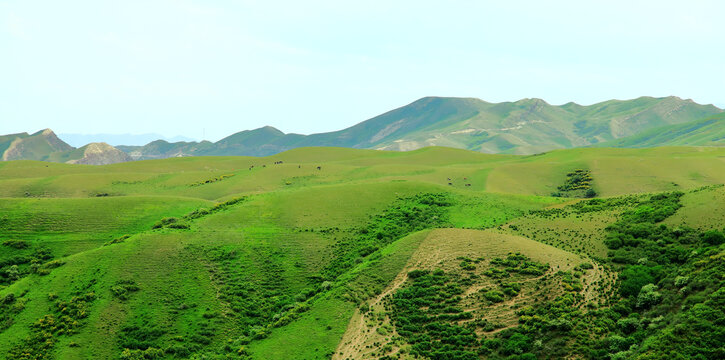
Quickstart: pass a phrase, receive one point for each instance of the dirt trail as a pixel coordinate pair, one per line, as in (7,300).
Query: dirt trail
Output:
(364,337)
(359,333)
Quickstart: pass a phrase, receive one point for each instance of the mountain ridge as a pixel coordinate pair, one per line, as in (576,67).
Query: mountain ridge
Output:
(79,140)
(526,126)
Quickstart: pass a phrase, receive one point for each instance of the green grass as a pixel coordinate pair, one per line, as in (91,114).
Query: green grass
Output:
(281,273)
(71,225)
(702,209)
(615,172)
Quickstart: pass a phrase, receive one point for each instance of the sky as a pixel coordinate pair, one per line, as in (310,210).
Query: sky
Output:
(207,69)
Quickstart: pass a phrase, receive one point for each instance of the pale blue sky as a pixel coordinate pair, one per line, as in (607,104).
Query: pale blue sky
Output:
(188,67)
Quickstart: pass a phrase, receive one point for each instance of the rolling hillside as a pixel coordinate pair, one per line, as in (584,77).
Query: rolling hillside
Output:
(319,253)
(527,126)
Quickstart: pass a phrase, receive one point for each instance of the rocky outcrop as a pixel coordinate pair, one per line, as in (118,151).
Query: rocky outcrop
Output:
(100,154)
(14,151)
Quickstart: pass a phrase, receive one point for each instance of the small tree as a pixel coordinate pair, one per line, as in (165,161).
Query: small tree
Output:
(648,296)
(13,273)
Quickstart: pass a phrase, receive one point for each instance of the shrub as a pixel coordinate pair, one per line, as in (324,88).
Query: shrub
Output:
(16,244)
(147,354)
(181,226)
(204,340)
(118,240)
(493,296)
(648,296)
(633,278)
(53,264)
(210,314)
(713,237)
(8,299)
(496,273)
(12,273)
(467,265)
(139,337)
(165,222)
(681,281)
(511,289)
(516,344)
(122,289)
(628,325)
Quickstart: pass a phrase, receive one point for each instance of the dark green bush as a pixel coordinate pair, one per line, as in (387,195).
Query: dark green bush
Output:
(17,244)
(713,237)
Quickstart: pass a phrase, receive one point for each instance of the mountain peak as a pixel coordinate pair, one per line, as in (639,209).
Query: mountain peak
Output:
(428,99)
(531,101)
(256,136)
(97,146)
(44,132)
(269,129)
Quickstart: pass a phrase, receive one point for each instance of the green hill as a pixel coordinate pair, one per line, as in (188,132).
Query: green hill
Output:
(705,132)
(524,127)
(319,253)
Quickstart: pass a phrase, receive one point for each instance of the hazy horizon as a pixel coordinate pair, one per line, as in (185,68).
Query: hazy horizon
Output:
(202,70)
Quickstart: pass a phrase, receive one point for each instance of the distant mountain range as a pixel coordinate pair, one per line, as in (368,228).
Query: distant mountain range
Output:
(526,126)
(118,139)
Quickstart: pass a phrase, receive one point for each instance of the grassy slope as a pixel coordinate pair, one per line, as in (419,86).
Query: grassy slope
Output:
(72,225)
(616,171)
(275,237)
(703,210)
